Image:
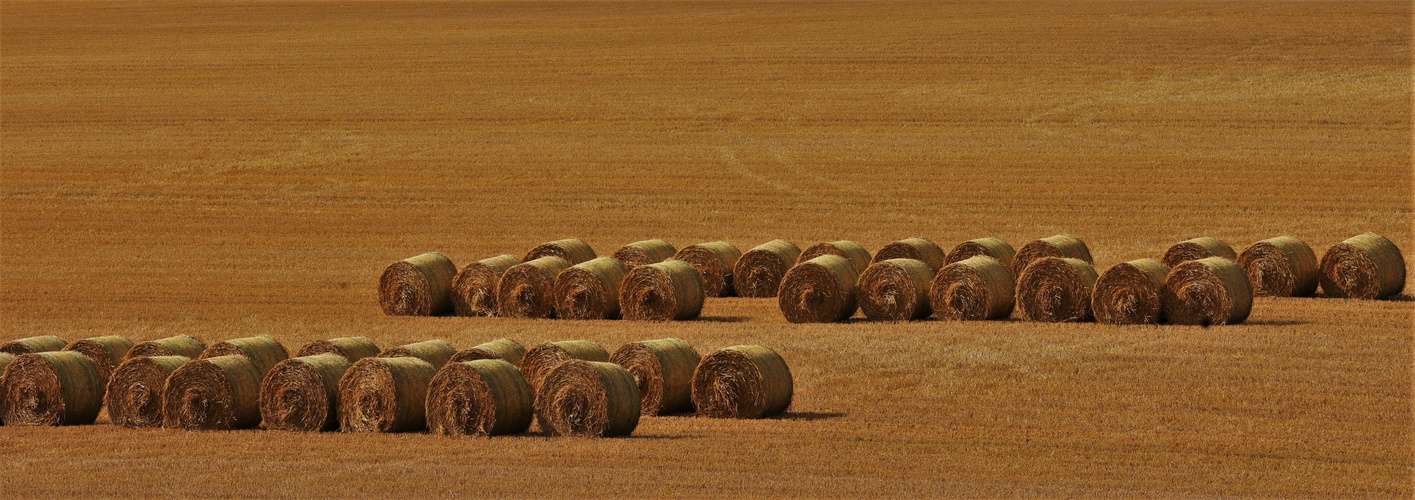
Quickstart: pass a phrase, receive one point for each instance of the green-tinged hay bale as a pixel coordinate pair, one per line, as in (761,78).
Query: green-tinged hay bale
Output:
(758,272)
(180,345)
(264,351)
(1056,290)
(302,394)
(1363,267)
(384,395)
(1195,249)
(106,352)
(745,381)
(589,290)
(1055,246)
(31,345)
(1212,291)
(588,399)
(666,291)
(484,397)
(527,289)
(504,349)
(572,250)
(1131,293)
(351,348)
(996,248)
(974,289)
(851,251)
(474,288)
(1280,267)
(663,372)
(435,352)
(643,253)
(51,388)
(714,262)
(134,395)
(218,393)
(916,248)
(896,290)
(821,290)
(539,361)
(417,286)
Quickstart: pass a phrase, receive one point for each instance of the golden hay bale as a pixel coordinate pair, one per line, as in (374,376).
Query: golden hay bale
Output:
(474,288)
(821,290)
(540,360)
(1363,267)
(989,247)
(896,290)
(1211,291)
(436,352)
(1197,248)
(213,394)
(180,345)
(916,248)
(302,394)
(973,289)
(758,272)
(5,359)
(1055,246)
(106,352)
(51,388)
(505,349)
(667,291)
(417,286)
(572,250)
(851,251)
(745,381)
(1056,290)
(589,290)
(351,348)
(1280,267)
(31,345)
(526,290)
(663,372)
(264,351)
(1130,293)
(714,262)
(588,399)
(384,395)
(643,253)
(484,397)
(134,395)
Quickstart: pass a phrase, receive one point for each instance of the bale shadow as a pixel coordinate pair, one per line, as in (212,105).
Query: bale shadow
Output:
(1277,322)
(725,319)
(809,416)
(1401,298)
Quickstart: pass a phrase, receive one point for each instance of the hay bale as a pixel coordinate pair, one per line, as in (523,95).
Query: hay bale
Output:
(1056,290)
(714,262)
(916,248)
(896,290)
(5,359)
(851,251)
(758,272)
(351,348)
(51,388)
(31,345)
(1055,246)
(435,352)
(384,395)
(218,393)
(572,250)
(745,381)
(526,290)
(264,351)
(643,253)
(588,399)
(1280,267)
(505,349)
(1195,249)
(666,291)
(106,352)
(1130,293)
(302,394)
(663,372)
(134,395)
(996,248)
(180,345)
(589,290)
(417,286)
(484,397)
(1363,267)
(539,361)
(1211,291)
(474,288)
(821,290)
(973,289)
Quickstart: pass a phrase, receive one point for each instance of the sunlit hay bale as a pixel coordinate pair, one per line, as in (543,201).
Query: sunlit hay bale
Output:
(1363,267)
(51,388)
(1280,267)
(1211,291)
(589,290)
(435,352)
(988,247)
(106,352)
(302,394)
(896,290)
(758,272)
(572,250)
(180,345)
(1056,246)
(588,399)
(417,286)
(505,349)
(663,372)
(474,288)
(919,249)
(527,289)
(667,291)
(973,289)
(851,251)
(1130,293)
(213,394)
(351,348)
(384,395)
(1056,290)
(714,262)
(264,351)
(543,358)
(745,381)
(484,397)
(642,253)
(1197,248)
(31,345)
(134,395)
(819,291)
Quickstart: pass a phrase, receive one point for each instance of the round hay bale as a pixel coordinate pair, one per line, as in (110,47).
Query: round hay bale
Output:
(1195,249)
(1212,291)
(572,250)
(219,393)
(474,288)
(758,272)
(505,349)
(973,289)
(384,395)
(264,351)
(896,290)
(663,373)
(851,251)
(484,397)
(302,394)
(51,388)
(539,361)
(916,248)
(134,395)
(821,290)
(351,348)
(745,381)
(1130,293)
(1363,267)
(435,352)
(666,291)
(31,345)
(588,399)
(417,286)
(643,253)
(589,290)
(180,345)
(5,359)
(106,352)
(1055,246)
(996,248)
(714,262)
(526,290)
(1280,267)
(1056,290)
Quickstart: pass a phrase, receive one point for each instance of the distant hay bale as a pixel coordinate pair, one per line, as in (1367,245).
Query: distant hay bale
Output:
(973,289)
(1363,267)
(572,250)
(1131,293)
(31,345)
(919,249)
(588,399)
(589,290)
(417,286)
(1211,291)
(134,395)
(106,352)
(351,348)
(1055,246)
(1280,267)
(745,381)
(896,290)
(714,262)
(384,395)
(526,290)
(851,251)
(213,394)
(1056,290)
(264,351)
(474,288)
(179,345)
(1197,248)
(996,248)
(667,291)
(642,253)
(435,352)
(758,272)
(51,388)
(819,291)
(302,394)
(545,357)
(484,397)
(663,372)
(505,349)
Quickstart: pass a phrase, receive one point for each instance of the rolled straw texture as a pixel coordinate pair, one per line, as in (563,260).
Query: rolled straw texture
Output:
(474,288)
(264,351)
(589,290)
(1280,267)
(666,291)
(588,399)
(134,395)
(919,249)
(663,372)
(302,394)
(1055,246)
(996,248)
(758,272)
(527,289)
(485,397)
(504,349)
(896,290)
(180,345)
(540,360)
(106,352)
(819,291)
(1056,290)
(572,250)
(213,394)
(1131,293)
(384,395)
(5,359)
(1363,267)
(973,289)
(435,352)
(714,262)
(745,381)
(851,251)
(31,345)
(1197,248)
(642,253)
(1212,291)
(351,348)
(417,286)
(51,388)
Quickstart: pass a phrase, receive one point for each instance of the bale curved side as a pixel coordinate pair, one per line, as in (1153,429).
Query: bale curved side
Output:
(31,345)
(896,290)
(1363,267)
(1197,248)
(264,351)
(572,250)
(1054,246)
(215,393)
(588,399)
(351,348)
(851,251)
(106,352)
(1131,293)
(643,253)
(435,352)
(758,272)
(1211,291)
(545,357)
(504,349)
(526,290)
(589,290)
(996,248)
(179,345)
(663,372)
(417,286)
(134,393)
(745,381)
(1280,267)
(819,291)
(1056,290)
(474,288)
(916,248)
(714,262)
(485,397)
(302,394)
(384,395)
(973,289)
(666,291)
(51,388)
